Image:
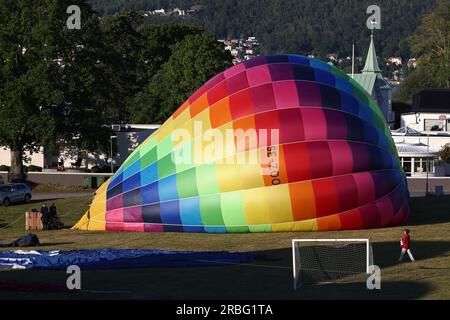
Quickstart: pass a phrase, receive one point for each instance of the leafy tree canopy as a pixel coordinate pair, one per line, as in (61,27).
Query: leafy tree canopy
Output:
(431,42)
(195,59)
(293,26)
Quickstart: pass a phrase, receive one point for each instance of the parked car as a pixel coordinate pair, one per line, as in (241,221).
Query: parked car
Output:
(13,193)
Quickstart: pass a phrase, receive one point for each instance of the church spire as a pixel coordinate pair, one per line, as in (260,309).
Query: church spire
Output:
(371,60)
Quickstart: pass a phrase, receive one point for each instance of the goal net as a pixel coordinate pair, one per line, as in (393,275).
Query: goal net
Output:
(328,260)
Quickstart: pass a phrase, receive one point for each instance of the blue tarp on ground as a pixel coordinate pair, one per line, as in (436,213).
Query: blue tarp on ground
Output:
(118,259)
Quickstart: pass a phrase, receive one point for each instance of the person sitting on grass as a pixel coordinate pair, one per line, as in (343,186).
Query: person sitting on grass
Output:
(54,222)
(405,244)
(45,216)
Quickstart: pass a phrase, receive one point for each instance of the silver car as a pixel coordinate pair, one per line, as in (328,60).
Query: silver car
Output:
(13,193)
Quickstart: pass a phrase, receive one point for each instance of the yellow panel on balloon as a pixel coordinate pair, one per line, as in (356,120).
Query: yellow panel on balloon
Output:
(97,213)
(255,207)
(102,190)
(165,130)
(182,119)
(250,175)
(228,177)
(305,225)
(283,227)
(278,200)
(215,145)
(202,122)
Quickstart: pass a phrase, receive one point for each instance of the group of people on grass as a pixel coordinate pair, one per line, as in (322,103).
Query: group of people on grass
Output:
(50,219)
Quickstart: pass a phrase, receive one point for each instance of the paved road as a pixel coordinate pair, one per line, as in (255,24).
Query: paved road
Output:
(39,196)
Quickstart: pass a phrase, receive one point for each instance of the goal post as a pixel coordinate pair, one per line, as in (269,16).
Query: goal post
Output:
(328,260)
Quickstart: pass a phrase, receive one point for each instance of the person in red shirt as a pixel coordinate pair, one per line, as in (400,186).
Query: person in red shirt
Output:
(405,244)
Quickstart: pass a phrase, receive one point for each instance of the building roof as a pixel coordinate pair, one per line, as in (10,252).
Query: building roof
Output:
(406,131)
(415,149)
(134,127)
(432,100)
(366,80)
(371,60)
(371,74)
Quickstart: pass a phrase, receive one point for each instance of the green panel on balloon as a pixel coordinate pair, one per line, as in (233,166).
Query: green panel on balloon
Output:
(132,159)
(210,211)
(183,157)
(148,158)
(165,147)
(166,167)
(207,179)
(233,212)
(186,184)
(338,73)
(150,145)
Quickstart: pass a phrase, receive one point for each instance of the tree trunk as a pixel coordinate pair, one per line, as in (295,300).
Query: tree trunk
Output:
(16,172)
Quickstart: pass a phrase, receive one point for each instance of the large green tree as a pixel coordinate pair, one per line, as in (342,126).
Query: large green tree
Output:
(193,61)
(431,43)
(51,78)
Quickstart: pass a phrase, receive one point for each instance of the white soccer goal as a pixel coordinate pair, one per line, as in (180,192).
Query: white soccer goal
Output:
(328,260)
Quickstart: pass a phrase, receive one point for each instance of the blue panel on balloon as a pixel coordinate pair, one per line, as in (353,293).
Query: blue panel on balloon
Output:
(349,104)
(150,193)
(149,174)
(325,78)
(132,182)
(190,215)
(168,188)
(132,170)
(170,216)
(300,60)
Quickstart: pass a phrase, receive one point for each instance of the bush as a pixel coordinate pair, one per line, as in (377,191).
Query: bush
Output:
(444,154)
(4,168)
(95,169)
(33,168)
(106,169)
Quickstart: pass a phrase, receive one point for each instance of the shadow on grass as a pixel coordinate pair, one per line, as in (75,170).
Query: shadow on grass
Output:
(231,282)
(386,254)
(268,277)
(358,291)
(429,210)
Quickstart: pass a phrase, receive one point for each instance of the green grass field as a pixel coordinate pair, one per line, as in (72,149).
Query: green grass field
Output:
(266,278)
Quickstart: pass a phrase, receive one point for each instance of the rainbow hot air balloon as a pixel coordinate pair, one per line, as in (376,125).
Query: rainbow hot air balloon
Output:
(278,143)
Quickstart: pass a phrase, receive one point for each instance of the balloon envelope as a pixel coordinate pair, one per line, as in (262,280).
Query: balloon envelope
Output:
(277,143)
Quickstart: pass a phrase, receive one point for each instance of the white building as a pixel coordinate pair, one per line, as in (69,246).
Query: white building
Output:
(127,137)
(417,158)
(425,131)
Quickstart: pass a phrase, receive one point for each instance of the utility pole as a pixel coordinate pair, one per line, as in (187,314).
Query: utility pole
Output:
(353,60)
(428,162)
(111,156)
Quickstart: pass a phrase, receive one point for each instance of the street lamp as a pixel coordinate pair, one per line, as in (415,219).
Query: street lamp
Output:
(428,163)
(111,158)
